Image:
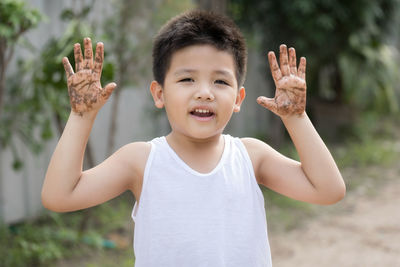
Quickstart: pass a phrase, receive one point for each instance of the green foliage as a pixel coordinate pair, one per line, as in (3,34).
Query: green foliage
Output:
(15,19)
(315,27)
(56,236)
(36,94)
(331,34)
(370,143)
(366,153)
(28,245)
(371,78)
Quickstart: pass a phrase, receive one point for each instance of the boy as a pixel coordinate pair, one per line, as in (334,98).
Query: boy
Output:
(198,199)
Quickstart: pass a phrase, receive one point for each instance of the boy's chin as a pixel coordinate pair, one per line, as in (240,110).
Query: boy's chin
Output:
(208,134)
(203,134)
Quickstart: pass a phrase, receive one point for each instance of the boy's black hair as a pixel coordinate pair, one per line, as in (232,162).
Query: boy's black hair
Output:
(198,27)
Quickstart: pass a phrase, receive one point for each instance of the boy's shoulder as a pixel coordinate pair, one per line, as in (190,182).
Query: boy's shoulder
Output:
(136,145)
(253,144)
(135,154)
(133,157)
(139,148)
(258,151)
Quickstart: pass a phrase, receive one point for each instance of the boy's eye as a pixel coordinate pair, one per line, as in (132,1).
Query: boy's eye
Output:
(221,82)
(186,80)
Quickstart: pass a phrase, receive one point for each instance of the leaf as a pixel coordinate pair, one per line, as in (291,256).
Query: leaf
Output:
(67,14)
(17,164)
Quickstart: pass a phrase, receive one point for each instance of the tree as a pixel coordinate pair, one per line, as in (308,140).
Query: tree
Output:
(337,37)
(322,30)
(15,20)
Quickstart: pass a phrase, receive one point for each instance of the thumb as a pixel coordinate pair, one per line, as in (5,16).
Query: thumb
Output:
(106,92)
(268,103)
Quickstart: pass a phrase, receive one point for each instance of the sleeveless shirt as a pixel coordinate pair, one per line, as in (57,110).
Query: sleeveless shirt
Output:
(190,219)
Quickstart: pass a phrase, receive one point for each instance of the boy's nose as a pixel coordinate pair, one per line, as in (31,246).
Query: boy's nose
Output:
(204,93)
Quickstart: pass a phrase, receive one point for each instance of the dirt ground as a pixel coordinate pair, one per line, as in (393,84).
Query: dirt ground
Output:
(362,230)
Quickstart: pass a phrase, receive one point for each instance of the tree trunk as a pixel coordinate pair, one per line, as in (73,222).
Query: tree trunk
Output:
(2,87)
(277,132)
(124,15)
(337,84)
(113,122)
(4,60)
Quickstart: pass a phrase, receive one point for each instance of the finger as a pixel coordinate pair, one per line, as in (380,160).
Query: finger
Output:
(98,60)
(301,72)
(68,68)
(88,61)
(107,91)
(268,103)
(283,60)
(292,61)
(273,65)
(78,57)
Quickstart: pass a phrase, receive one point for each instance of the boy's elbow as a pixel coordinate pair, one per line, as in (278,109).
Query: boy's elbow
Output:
(341,192)
(335,196)
(51,203)
(47,202)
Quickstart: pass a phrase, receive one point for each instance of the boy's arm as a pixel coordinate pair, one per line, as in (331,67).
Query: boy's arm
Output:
(66,187)
(316,178)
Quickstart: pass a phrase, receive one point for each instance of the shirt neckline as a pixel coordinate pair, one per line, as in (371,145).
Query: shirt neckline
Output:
(190,169)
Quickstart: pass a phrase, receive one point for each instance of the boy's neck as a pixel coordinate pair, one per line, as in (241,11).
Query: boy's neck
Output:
(183,142)
(201,155)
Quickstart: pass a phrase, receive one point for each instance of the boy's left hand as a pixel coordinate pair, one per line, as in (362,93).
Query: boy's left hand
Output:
(290,82)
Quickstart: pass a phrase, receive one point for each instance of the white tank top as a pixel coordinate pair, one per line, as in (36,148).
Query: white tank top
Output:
(191,219)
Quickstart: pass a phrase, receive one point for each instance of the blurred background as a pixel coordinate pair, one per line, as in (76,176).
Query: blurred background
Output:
(353,78)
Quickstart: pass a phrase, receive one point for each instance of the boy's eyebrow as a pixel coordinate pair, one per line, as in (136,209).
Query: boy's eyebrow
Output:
(225,73)
(189,71)
(183,71)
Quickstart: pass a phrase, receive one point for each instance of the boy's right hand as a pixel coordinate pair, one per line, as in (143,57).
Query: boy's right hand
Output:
(84,88)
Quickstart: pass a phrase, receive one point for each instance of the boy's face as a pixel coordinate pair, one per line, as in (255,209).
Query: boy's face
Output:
(200,91)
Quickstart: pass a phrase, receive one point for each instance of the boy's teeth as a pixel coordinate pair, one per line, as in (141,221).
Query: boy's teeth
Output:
(202,110)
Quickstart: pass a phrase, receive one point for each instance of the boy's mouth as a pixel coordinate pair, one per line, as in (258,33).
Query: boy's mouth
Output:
(202,112)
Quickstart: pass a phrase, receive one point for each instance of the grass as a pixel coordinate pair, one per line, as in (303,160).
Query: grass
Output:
(55,239)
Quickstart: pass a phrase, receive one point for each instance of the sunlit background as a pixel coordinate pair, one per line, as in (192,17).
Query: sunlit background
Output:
(353,80)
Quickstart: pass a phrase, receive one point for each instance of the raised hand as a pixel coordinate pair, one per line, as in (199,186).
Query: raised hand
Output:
(290,82)
(84,88)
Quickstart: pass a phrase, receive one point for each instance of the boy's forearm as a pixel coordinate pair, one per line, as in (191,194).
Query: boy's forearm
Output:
(316,160)
(65,167)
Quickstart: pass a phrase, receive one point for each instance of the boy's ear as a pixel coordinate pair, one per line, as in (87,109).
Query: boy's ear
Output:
(157,93)
(239,99)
